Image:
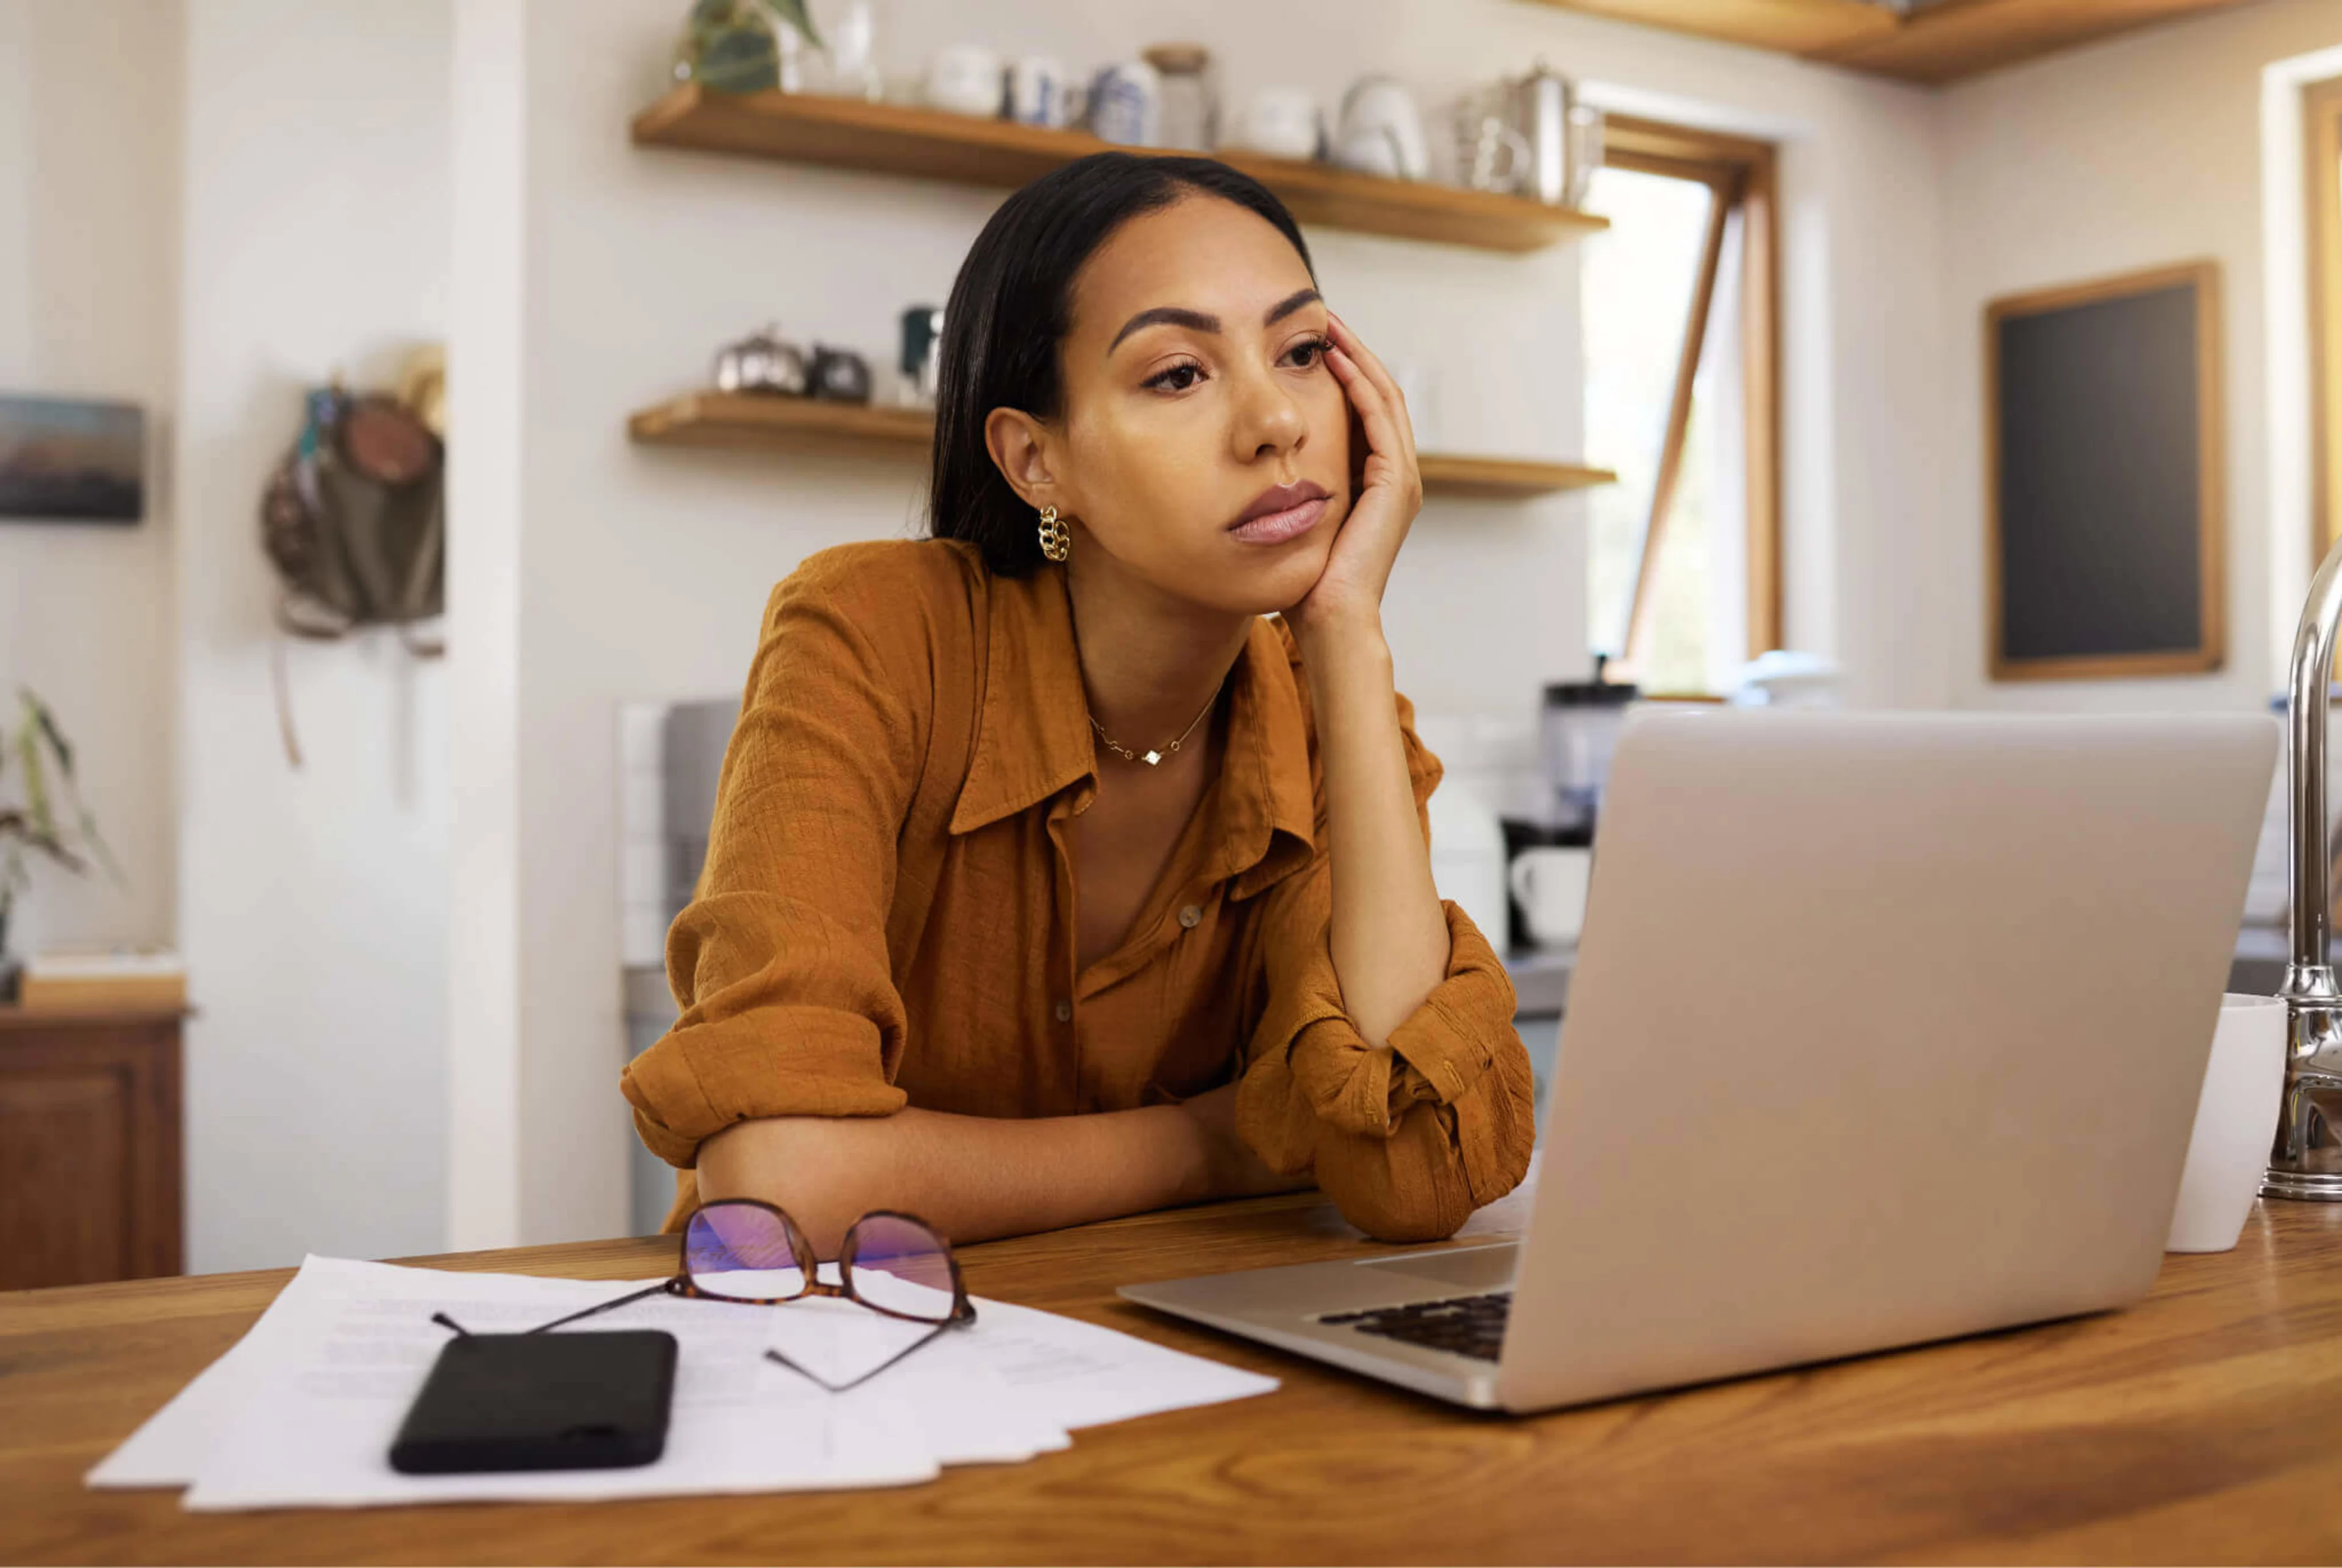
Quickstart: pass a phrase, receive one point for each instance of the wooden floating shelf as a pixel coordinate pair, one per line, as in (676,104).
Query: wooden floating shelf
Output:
(755,422)
(747,422)
(929,144)
(1503,478)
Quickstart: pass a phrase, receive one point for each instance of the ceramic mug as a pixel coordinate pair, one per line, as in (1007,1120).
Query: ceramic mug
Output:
(1040,93)
(1125,103)
(1284,123)
(1495,156)
(2235,1124)
(1550,885)
(965,78)
(1382,131)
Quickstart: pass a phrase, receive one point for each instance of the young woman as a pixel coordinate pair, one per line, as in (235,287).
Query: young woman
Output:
(1049,880)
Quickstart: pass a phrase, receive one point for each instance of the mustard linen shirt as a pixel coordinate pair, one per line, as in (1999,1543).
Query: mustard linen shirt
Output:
(886,913)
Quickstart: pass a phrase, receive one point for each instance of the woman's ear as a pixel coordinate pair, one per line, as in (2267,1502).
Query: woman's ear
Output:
(1019,448)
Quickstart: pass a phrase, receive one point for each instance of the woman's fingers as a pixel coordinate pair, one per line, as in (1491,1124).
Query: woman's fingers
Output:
(1379,374)
(1385,426)
(1390,492)
(1376,416)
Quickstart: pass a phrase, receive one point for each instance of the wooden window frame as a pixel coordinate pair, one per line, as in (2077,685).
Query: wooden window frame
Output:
(2321,128)
(1744,175)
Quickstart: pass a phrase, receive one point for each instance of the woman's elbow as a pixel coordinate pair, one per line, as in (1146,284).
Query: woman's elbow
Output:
(1383,1189)
(814,1168)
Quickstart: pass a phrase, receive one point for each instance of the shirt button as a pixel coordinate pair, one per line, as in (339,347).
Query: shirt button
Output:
(1064,1012)
(1191,917)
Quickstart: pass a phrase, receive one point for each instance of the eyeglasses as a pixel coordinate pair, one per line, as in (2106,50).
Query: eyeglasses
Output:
(741,1250)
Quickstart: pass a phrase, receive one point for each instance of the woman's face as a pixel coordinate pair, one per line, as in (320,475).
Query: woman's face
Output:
(1202,445)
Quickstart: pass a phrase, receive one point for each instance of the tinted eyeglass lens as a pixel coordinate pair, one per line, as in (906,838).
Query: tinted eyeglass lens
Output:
(741,1250)
(903,1266)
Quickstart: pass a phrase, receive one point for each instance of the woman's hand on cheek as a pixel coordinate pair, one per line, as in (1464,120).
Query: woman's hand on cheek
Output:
(1348,594)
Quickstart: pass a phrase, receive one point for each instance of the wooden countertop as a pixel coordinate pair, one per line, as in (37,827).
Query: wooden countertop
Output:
(25,1020)
(2204,1425)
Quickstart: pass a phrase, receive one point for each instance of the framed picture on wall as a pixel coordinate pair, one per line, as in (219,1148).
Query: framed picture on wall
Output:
(72,462)
(2105,549)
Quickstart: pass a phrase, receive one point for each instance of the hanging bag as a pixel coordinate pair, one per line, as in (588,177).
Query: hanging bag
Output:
(354,521)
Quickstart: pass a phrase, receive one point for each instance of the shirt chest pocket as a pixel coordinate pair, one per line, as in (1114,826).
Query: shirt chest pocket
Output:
(1192,1003)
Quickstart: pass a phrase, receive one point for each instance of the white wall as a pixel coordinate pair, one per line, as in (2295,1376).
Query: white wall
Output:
(89,140)
(2142,151)
(312,905)
(397,986)
(377,964)
(488,324)
(623,573)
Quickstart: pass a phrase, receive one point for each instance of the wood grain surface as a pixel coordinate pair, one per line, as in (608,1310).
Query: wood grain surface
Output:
(748,422)
(929,144)
(2205,1425)
(90,1145)
(1942,41)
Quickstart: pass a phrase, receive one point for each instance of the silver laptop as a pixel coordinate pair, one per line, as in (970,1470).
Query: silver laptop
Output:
(1884,1029)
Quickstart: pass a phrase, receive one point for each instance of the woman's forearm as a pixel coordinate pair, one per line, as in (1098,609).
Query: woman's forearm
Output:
(977,1177)
(1389,936)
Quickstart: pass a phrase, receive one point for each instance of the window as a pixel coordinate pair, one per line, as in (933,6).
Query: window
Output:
(1682,396)
(2322,122)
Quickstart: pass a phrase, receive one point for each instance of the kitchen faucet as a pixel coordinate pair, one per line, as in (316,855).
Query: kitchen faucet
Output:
(2306,1161)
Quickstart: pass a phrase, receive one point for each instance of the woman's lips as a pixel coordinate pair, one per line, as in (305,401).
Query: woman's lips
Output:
(1276,527)
(1286,513)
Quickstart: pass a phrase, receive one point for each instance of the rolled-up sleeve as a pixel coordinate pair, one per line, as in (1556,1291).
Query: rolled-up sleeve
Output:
(779,963)
(1408,1137)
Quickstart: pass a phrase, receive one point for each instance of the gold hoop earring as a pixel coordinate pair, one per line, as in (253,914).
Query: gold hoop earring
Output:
(1056,541)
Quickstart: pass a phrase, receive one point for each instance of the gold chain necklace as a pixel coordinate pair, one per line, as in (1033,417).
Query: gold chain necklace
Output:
(1153,759)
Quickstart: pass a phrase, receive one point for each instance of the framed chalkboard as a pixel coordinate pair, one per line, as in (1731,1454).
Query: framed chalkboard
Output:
(2103,486)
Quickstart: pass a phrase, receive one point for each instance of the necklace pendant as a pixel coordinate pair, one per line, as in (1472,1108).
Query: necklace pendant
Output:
(1152,758)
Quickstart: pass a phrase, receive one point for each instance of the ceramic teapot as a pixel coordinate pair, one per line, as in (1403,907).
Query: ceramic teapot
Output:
(762,363)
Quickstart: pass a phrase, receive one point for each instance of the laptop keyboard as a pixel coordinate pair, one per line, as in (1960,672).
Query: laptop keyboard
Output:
(1464,1325)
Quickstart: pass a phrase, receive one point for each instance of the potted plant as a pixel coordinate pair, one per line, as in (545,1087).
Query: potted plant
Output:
(30,823)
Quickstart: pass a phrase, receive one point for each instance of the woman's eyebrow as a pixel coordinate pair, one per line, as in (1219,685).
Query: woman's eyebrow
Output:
(1287,306)
(1166,315)
(1196,321)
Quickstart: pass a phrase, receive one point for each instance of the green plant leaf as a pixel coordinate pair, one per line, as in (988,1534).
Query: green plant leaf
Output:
(795,14)
(46,723)
(36,825)
(84,820)
(15,827)
(36,787)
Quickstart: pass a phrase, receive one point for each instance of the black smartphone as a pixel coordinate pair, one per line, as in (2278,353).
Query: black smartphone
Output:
(540,1401)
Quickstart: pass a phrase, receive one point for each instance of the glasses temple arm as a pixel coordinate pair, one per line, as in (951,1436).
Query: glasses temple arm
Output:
(925,1339)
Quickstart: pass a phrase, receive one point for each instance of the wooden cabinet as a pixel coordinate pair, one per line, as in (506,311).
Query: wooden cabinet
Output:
(89,1147)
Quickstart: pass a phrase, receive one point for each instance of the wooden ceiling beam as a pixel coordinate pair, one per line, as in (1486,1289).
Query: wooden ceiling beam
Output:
(1940,43)
(1948,42)
(1787,27)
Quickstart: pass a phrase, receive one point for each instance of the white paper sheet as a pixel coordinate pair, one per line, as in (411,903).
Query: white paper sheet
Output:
(170,1448)
(301,1411)
(315,1424)
(966,1411)
(1080,1374)
(1036,1365)
(175,1442)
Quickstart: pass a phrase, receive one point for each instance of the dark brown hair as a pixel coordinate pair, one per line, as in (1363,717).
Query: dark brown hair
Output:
(1010,308)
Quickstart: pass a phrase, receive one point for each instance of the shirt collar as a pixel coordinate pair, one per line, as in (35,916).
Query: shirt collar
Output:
(1033,734)
(1267,799)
